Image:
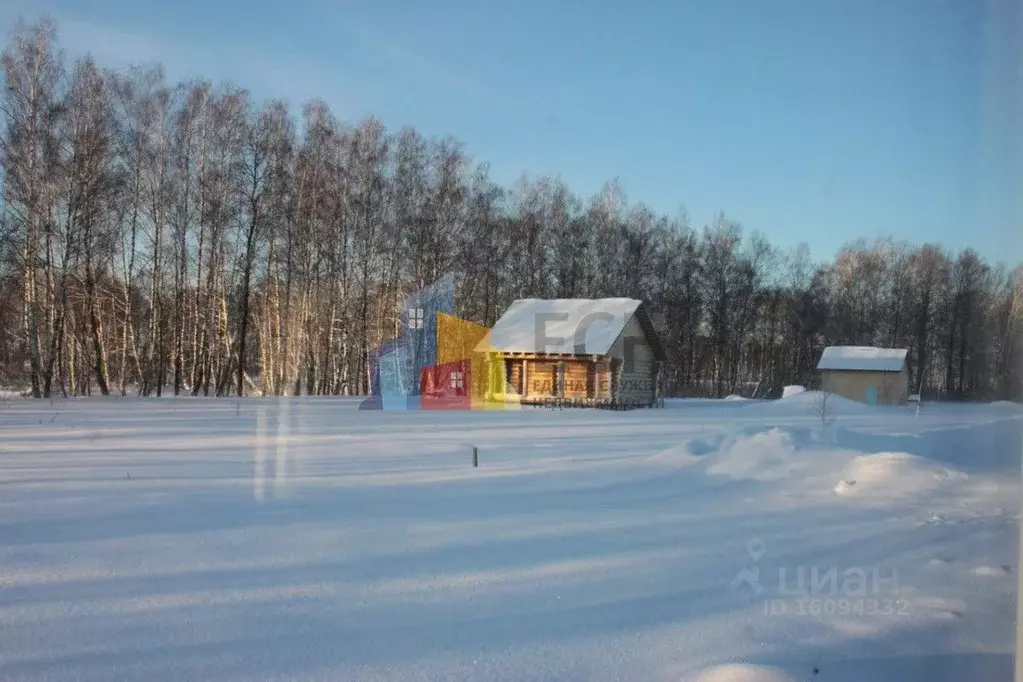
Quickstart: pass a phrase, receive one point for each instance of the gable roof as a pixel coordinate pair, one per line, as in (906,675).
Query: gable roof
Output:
(579,326)
(863,358)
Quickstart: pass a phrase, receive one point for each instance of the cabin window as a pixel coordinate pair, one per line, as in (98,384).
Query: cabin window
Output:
(415,318)
(456,380)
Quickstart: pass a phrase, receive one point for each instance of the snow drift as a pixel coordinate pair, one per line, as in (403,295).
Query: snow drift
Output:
(894,474)
(742,672)
(790,391)
(767,456)
(809,403)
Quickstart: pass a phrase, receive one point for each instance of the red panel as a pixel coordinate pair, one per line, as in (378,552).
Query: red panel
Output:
(445,387)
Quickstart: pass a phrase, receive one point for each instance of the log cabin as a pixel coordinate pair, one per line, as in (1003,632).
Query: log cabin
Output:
(580,352)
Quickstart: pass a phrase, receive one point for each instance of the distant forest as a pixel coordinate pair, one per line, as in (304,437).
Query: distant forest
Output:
(180,238)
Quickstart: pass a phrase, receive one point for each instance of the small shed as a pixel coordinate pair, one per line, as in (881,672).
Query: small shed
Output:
(876,376)
(584,352)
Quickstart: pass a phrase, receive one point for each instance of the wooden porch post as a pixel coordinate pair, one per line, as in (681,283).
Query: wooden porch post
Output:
(491,360)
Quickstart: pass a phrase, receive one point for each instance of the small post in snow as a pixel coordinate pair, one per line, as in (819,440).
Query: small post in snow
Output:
(475,458)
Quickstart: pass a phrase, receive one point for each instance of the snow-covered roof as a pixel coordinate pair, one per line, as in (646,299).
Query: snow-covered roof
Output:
(863,358)
(561,325)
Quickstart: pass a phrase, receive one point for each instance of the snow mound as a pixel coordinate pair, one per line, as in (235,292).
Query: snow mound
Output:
(893,474)
(735,397)
(687,453)
(809,402)
(845,487)
(741,672)
(766,456)
(790,391)
(991,571)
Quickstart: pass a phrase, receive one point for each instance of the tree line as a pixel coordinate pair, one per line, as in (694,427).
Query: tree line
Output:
(180,238)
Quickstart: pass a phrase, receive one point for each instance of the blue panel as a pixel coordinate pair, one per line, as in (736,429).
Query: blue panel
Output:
(394,403)
(373,360)
(420,317)
(872,395)
(396,377)
(372,402)
(395,367)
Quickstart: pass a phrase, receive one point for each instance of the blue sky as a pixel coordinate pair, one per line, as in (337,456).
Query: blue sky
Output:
(813,121)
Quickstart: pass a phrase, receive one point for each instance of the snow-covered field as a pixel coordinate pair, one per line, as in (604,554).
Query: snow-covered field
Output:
(304,539)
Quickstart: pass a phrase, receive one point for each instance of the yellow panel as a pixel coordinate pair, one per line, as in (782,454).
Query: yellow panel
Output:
(457,338)
(489,389)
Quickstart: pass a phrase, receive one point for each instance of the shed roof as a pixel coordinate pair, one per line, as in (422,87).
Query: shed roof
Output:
(563,325)
(863,358)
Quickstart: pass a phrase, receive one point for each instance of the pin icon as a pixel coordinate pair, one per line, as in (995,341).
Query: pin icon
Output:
(755,548)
